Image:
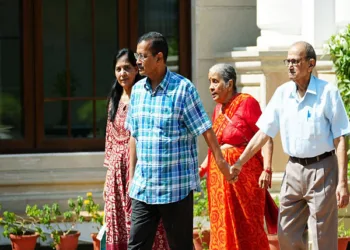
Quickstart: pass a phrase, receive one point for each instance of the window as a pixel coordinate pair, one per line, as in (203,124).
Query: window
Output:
(56,65)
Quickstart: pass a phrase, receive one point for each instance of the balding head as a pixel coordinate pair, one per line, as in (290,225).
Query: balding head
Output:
(308,49)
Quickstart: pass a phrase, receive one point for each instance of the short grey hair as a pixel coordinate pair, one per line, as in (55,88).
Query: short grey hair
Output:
(227,73)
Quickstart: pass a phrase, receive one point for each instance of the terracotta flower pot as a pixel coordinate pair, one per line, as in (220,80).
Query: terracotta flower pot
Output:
(23,242)
(95,242)
(273,242)
(69,241)
(201,239)
(343,243)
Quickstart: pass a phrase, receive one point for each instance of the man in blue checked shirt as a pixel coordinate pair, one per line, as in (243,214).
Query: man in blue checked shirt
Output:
(164,118)
(313,124)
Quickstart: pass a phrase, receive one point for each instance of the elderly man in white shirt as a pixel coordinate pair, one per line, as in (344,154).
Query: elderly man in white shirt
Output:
(313,124)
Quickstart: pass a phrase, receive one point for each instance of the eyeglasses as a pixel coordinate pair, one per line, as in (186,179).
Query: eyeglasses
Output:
(294,62)
(140,57)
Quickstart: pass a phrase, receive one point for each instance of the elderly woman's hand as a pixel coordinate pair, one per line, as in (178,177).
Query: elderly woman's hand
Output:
(265,179)
(235,170)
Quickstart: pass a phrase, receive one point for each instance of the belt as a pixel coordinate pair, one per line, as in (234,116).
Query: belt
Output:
(311,160)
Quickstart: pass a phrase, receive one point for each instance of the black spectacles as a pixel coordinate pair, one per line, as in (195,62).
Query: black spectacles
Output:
(294,62)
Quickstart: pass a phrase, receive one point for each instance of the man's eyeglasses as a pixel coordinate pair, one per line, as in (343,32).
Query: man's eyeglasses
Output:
(294,62)
(140,57)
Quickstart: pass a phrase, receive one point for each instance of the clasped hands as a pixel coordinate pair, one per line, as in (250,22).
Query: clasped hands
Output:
(231,172)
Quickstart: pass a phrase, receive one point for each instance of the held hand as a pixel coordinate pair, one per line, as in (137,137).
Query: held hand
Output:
(225,170)
(265,180)
(235,170)
(342,195)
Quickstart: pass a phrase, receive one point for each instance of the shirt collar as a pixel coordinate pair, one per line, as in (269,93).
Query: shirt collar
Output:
(310,89)
(162,85)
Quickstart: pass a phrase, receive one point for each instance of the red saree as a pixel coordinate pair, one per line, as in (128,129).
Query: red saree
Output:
(236,210)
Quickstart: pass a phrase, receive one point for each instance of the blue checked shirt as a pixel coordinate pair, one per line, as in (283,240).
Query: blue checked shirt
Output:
(165,123)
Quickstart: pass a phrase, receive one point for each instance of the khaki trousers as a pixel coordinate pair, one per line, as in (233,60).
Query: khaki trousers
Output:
(309,193)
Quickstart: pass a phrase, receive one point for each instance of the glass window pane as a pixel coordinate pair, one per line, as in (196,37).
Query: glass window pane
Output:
(80,47)
(162,16)
(82,119)
(11,121)
(9,18)
(54,49)
(101,118)
(56,119)
(106,44)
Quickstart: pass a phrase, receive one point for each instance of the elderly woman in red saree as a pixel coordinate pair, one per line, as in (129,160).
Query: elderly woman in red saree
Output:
(236,210)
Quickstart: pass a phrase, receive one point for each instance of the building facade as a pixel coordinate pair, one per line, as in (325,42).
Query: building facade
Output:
(56,71)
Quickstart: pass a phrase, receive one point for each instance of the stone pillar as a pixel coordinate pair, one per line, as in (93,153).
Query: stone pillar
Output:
(280,23)
(283,23)
(318,21)
(342,17)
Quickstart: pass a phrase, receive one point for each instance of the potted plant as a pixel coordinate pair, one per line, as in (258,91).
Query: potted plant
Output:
(201,232)
(95,215)
(23,231)
(62,225)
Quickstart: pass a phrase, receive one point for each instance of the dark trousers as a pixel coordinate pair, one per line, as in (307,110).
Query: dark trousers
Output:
(177,219)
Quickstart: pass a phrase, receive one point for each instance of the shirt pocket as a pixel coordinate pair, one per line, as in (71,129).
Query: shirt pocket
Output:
(165,117)
(311,128)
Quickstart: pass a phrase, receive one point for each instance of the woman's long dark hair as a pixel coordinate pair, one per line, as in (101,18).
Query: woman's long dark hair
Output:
(117,90)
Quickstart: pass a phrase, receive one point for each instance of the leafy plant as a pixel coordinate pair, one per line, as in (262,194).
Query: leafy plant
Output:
(342,231)
(51,217)
(21,225)
(339,50)
(93,210)
(70,219)
(201,209)
(338,46)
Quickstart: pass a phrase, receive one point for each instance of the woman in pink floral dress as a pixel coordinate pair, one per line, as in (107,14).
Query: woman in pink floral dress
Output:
(117,201)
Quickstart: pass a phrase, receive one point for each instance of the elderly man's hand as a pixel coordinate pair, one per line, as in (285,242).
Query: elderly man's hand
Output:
(235,170)
(226,171)
(342,195)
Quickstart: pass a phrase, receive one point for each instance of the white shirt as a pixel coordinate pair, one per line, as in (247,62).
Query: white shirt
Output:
(307,125)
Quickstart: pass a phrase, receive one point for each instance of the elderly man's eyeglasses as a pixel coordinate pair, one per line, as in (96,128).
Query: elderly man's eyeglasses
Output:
(140,57)
(294,62)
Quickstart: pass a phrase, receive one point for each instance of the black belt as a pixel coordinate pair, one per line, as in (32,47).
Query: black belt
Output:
(311,160)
